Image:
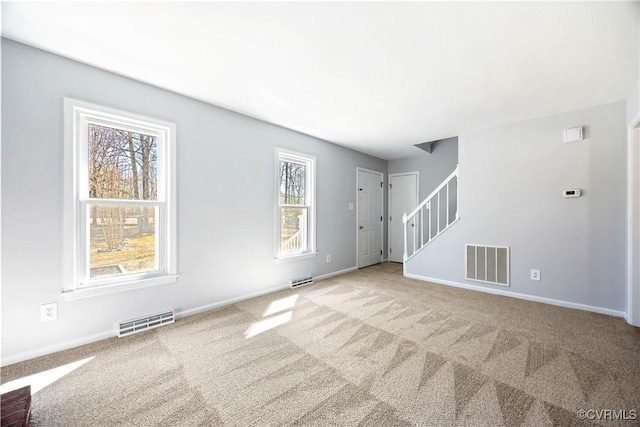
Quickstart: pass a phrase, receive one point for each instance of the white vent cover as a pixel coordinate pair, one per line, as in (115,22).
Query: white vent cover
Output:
(301,281)
(147,322)
(487,264)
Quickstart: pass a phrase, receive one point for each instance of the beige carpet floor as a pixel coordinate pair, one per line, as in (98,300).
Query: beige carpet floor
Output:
(367,348)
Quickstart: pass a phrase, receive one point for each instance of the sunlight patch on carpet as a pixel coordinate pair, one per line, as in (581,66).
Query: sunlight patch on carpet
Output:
(267,324)
(281,304)
(42,379)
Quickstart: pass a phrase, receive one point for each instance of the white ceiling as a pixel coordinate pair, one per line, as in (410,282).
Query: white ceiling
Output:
(374,76)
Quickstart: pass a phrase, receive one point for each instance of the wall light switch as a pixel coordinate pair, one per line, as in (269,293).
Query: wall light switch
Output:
(48,312)
(351,207)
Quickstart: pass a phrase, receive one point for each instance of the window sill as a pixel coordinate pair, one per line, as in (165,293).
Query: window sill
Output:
(295,257)
(115,288)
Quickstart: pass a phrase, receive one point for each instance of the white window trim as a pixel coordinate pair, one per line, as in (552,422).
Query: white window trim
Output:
(311,220)
(76,114)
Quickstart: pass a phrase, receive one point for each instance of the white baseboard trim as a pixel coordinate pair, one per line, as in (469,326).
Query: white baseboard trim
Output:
(54,348)
(335,273)
(566,304)
(207,307)
(230,301)
(629,319)
(179,314)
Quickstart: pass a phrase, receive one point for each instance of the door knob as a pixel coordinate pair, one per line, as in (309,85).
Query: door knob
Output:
(361,227)
(413,225)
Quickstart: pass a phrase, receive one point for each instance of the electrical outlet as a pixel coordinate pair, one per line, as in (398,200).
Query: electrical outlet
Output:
(328,258)
(535,275)
(48,312)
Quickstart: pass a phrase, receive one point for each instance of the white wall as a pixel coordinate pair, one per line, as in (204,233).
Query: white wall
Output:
(433,168)
(633,207)
(511,182)
(226,194)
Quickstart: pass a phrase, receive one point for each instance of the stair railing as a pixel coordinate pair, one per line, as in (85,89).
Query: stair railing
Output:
(292,244)
(432,217)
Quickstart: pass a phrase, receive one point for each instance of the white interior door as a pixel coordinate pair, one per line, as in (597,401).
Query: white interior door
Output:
(403,198)
(369,217)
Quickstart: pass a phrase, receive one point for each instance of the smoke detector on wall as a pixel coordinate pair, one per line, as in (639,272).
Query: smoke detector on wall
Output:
(573,134)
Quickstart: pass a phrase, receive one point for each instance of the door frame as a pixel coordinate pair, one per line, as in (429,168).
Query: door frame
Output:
(358,170)
(417,174)
(632,312)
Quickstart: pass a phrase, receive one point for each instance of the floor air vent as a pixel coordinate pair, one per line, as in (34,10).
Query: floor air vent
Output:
(487,264)
(143,323)
(301,281)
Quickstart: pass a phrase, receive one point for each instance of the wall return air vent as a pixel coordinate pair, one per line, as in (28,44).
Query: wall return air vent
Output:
(147,322)
(487,264)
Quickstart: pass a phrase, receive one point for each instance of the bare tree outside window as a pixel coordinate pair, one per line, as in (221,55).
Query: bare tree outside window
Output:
(292,183)
(122,166)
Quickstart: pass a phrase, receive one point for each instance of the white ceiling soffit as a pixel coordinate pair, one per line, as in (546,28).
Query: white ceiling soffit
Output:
(374,76)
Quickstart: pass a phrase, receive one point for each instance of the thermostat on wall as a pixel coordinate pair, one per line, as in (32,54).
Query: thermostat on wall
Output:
(574,192)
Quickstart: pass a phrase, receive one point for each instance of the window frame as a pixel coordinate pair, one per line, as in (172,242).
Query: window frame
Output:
(310,204)
(78,115)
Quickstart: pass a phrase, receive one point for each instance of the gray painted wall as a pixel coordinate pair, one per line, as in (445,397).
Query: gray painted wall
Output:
(511,182)
(226,194)
(433,168)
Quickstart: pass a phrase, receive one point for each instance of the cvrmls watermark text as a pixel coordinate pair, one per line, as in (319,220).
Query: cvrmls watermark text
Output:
(607,414)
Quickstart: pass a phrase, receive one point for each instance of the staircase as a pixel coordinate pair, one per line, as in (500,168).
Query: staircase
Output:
(432,217)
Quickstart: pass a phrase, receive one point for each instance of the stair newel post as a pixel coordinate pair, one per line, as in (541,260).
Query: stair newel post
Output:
(404,222)
(457,191)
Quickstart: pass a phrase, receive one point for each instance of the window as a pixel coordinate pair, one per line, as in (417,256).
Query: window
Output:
(295,218)
(119,204)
